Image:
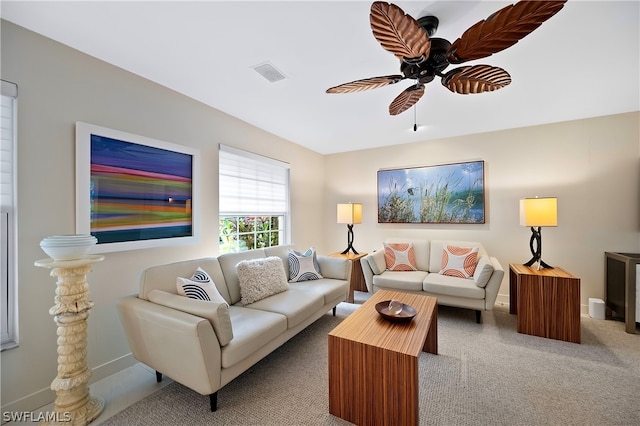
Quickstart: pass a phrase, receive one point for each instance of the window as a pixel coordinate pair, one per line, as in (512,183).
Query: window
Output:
(9,94)
(254,201)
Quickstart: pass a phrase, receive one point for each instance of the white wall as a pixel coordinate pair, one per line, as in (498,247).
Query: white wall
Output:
(592,166)
(57,87)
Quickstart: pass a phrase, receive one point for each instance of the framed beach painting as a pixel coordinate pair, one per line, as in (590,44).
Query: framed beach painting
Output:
(134,192)
(448,193)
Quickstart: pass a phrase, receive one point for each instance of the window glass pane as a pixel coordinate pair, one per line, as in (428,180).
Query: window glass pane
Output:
(245,233)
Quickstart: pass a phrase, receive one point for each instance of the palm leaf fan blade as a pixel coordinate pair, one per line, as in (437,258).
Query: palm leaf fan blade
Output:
(398,32)
(476,79)
(406,99)
(501,30)
(365,84)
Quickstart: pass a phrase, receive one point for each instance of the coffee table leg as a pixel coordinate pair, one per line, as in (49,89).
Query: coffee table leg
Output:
(431,342)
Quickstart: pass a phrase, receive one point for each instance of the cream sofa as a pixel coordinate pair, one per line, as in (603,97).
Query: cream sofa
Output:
(478,292)
(204,345)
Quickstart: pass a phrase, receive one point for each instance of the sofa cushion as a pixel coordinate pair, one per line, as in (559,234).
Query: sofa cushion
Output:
(295,304)
(405,280)
(484,270)
(330,289)
(229,267)
(216,313)
(337,268)
(452,286)
(303,266)
(252,329)
(163,277)
(400,257)
(282,252)
(459,261)
(260,278)
(377,262)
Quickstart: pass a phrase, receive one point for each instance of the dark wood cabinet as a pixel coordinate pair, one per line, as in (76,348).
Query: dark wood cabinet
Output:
(620,285)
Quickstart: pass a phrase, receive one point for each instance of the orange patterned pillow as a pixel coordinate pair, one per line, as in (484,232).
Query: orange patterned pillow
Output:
(459,261)
(400,257)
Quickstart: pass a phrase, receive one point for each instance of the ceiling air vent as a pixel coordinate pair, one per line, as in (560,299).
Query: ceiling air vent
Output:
(268,71)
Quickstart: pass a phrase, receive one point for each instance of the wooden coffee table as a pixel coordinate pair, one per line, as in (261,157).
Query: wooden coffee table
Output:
(373,363)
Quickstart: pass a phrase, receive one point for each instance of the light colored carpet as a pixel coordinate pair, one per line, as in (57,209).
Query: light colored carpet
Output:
(484,374)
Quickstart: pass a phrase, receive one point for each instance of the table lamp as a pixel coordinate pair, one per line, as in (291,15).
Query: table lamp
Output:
(536,213)
(350,214)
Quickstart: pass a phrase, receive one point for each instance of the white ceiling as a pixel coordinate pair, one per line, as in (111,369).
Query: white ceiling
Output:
(583,62)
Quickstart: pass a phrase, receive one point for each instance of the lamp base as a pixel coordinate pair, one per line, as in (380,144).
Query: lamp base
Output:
(541,263)
(350,241)
(536,236)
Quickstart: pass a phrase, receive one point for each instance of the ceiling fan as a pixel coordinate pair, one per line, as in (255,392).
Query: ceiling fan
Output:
(423,57)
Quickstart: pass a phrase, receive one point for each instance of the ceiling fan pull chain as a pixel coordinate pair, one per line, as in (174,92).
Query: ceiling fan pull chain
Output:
(415,121)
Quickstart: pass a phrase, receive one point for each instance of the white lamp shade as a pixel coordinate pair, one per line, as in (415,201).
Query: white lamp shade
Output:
(350,213)
(539,211)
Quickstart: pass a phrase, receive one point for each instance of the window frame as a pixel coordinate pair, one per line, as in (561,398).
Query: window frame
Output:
(282,216)
(9,231)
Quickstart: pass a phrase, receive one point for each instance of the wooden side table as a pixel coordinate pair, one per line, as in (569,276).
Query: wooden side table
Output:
(547,302)
(356,280)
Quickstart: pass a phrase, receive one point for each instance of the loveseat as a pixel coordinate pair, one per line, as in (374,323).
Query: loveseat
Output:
(465,281)
(205,344)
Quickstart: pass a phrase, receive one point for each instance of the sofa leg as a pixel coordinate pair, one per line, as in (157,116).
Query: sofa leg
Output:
(158,376)
(478,317)
(213,401)
(334,311)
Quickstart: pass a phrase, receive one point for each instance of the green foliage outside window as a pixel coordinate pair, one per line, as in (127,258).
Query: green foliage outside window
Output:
(240,233)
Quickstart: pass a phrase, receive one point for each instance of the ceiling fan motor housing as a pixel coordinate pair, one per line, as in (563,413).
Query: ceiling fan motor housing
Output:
(426,70)
(429,24)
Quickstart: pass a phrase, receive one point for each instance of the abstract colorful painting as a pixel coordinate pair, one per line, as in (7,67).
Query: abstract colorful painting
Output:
(139,190)
(449,193)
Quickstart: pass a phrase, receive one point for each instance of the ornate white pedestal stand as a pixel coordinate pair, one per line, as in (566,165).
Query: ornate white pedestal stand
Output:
(73,404)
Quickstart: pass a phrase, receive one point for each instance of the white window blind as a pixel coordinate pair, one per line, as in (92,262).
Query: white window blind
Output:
(8,95)
(251,184)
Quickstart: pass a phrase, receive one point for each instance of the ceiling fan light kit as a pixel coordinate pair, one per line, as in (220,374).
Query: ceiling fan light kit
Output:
(424,57)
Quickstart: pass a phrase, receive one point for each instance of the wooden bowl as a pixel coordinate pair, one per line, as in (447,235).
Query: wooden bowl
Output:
(405,315)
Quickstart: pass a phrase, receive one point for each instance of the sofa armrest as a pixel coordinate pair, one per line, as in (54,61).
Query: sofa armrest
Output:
(182,346)
(367,272)
(216,313)
(337,268)
(493,286)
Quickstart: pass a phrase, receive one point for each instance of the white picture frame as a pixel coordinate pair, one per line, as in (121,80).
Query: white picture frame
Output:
(135,192)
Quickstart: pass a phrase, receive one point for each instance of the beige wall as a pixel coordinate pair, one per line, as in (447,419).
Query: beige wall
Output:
(592,166)
(57,87)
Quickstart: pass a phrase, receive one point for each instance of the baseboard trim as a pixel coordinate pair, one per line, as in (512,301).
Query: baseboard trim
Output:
(43,397)
(112,367)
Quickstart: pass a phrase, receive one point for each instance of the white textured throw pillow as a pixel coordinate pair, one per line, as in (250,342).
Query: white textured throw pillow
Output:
(483,272)
(303,266)
(261,278)
(199,286)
